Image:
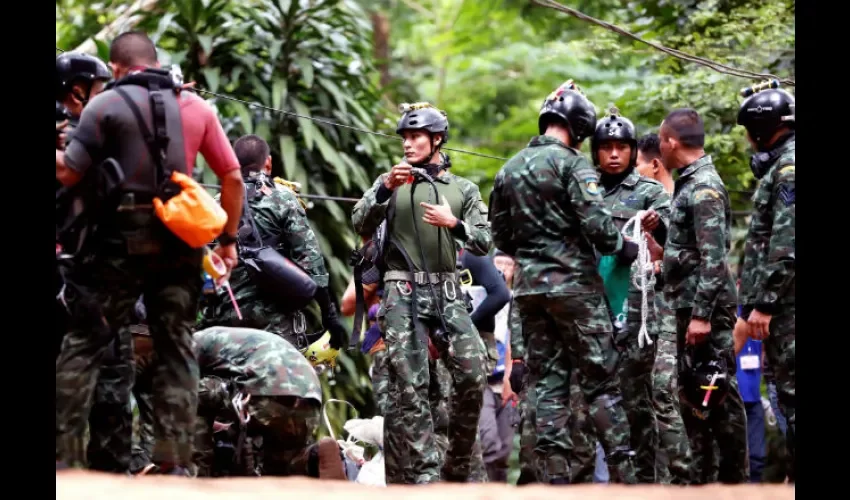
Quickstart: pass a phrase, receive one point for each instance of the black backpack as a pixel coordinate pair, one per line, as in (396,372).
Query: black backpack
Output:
(280,279)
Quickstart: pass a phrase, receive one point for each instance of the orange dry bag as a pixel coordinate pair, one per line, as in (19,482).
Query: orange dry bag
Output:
(193,215)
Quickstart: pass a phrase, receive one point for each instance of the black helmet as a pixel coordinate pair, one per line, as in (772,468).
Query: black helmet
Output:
(423,116)
(614,128)
(569,104)
(703,384)
(74,67)
(764,111)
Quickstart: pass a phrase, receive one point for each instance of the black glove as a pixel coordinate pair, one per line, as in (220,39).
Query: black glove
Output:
(517,379)
(628,253)
(330,319)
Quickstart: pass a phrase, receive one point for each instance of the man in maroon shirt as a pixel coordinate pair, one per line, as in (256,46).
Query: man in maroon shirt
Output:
(150,129)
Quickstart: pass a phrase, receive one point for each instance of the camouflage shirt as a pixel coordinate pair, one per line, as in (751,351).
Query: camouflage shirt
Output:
(517,341)
(547,212)
(259,362)
(625,200)
(696,273)
(768,277)
(472,229)
(280,218)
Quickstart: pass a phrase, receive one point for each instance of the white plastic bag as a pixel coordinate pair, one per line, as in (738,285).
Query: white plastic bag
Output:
(372,472)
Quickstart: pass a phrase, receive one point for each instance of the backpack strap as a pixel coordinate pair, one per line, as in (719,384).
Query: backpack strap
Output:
(157,141)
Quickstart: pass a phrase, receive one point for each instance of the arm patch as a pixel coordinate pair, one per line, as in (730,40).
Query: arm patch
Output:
(703,192)
(588,181)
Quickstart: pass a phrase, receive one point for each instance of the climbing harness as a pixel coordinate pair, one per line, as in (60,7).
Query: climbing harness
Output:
(643,275)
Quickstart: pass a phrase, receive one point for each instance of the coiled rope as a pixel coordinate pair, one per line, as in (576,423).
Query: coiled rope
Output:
(643,275)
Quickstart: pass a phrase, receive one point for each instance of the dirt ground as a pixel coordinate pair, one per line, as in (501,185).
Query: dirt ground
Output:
(74,485)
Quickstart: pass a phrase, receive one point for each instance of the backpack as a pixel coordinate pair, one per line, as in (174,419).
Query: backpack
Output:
(280,279)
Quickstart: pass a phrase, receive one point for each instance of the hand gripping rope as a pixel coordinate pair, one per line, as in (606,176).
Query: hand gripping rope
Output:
(643,275)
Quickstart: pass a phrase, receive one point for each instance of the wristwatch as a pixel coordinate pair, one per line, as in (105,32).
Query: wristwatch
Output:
(225,239)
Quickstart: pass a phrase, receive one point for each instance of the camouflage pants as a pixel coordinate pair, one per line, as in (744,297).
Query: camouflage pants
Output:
(674,450)
(527,434)
(560,328)
(726,424)
(583,435)
(143,438)
(439,395)
(409,381)
(105,293)
(111,417)
(781,354)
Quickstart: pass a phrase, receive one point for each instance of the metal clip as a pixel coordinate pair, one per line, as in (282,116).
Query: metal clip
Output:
(404,288)
(453,294)
(299,323)
(465,277)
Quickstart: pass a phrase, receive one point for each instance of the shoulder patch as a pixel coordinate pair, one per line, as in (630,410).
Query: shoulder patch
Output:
(705,192)
(787,194)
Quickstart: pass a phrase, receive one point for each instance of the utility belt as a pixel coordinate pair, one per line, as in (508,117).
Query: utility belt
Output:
(135,229)
(449,281)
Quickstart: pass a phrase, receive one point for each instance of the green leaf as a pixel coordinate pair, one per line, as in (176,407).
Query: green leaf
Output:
(279,92)
(307,128)
(206,42)
(306,67)
(262,130)
(288,153)
(335,92)
(212,76)
(274,49)
(102,50)
(244,116)
(162,26)
(332,157)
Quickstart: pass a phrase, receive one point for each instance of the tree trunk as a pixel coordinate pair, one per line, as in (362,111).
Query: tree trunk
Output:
(381,41)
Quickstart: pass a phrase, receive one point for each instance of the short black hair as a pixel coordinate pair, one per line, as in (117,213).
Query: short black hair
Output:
(251,151)
(133,48)
(687,126)
(650,146)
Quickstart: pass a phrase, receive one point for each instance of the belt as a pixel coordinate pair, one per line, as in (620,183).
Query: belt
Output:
(420,278)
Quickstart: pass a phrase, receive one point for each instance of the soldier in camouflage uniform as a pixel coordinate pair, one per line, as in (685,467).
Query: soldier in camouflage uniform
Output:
(281,222)
(284,399)
(626,192)
(674,451)
(699,287)
(768,287)
(422,296)
(80,77)
(547,212)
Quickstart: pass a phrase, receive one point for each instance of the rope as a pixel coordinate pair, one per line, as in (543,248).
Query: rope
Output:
(708,63)
(643,276)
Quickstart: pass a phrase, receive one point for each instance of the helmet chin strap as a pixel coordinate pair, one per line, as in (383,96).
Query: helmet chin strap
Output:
(433,169)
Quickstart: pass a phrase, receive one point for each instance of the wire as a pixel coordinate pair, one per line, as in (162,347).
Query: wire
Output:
(335,124)
(716,66)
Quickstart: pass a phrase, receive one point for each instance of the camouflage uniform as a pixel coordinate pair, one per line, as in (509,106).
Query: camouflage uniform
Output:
(285,404)
(768,279)
(527,403)
(632,194)
(278,216)
(673,460)
(698,284)
(545,206)
(111,417)
(109,286)
(460,349)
